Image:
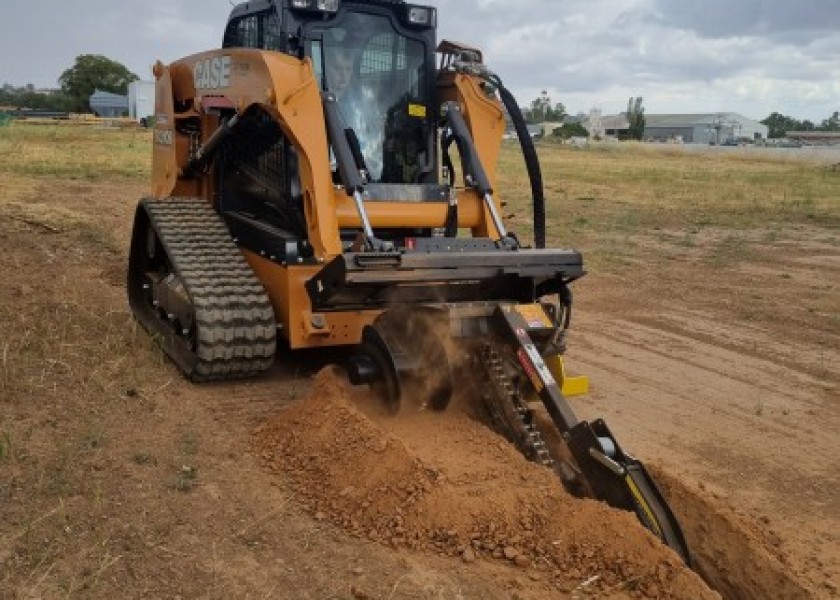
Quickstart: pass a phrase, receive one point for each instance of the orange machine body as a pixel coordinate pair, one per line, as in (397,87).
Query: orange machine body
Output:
(193,89)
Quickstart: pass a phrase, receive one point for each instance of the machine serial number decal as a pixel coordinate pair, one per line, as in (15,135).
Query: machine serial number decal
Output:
(534,315)
(163,137)
(212,73)
(417,110)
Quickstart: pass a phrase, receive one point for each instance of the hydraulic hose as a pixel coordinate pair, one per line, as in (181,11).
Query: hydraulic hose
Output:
(532,163)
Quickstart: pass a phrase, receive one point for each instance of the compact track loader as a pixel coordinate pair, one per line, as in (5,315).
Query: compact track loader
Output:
(305,192)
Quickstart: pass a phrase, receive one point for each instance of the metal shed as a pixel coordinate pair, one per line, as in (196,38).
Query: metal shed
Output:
(106,104)
(704,128)
(698,128)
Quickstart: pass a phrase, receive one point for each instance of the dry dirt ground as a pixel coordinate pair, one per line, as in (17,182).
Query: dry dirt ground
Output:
(739,411)
(119,479)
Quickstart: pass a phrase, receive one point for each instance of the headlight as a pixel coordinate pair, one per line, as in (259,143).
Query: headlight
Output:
(328,5)
(419,15)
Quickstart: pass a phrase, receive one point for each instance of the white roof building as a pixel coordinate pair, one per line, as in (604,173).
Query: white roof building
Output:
(698,128)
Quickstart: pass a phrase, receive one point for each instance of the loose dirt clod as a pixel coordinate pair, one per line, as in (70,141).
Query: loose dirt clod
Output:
(448,485)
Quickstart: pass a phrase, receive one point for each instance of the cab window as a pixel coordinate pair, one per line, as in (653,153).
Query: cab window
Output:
(260,30)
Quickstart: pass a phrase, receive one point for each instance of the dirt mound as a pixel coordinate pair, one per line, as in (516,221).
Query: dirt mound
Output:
(448,485)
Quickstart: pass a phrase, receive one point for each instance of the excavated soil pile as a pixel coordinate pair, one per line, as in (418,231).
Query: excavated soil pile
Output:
(444,483)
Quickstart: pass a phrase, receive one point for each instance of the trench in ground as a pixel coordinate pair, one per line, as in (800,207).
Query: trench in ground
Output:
(729,557)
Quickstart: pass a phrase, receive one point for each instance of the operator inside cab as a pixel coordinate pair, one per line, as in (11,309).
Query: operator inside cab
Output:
(378,77)
(376,56)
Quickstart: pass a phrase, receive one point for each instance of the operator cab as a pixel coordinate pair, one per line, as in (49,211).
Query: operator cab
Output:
(376,60)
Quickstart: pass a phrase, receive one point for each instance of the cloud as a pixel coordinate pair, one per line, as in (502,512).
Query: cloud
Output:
(751,56)
(763,18)
(47,40)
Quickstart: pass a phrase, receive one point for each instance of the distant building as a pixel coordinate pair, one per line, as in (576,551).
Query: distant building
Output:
(106,104)
(141,99)
(701,128)
(594,123)
(535,129)
(815,138)
(615,126)
(544,128)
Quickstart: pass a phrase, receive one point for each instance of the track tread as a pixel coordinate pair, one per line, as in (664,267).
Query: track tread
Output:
(235,327)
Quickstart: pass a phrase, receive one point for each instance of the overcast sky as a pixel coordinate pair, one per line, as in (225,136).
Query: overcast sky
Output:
(747,56)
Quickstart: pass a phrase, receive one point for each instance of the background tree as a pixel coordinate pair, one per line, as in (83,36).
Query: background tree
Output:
(635,118)
(28,97)
(559,113)
(539,108)
(832,123)
(542,109)
(92,72)
(571,130)
(778,125)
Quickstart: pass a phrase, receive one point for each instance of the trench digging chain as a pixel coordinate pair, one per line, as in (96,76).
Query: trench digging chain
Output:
(508,410)
(235,333)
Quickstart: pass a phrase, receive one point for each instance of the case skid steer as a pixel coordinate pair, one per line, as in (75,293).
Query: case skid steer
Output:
(327,178)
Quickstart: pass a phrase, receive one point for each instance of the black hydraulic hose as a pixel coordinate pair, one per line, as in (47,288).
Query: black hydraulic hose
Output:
(460,133)
(344,158)
(356,149)
(450,226)
(445,142)
(205,153)
(532,163)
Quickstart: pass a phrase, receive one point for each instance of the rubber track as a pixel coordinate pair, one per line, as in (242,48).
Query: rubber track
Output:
(235,328)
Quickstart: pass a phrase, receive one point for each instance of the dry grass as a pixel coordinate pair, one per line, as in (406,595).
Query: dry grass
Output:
(74,153)
(603,194)
(71,357)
